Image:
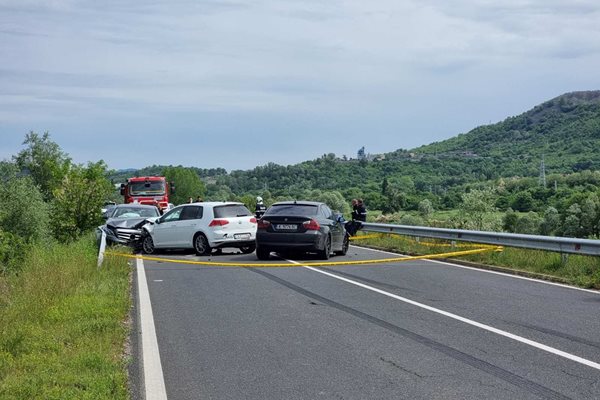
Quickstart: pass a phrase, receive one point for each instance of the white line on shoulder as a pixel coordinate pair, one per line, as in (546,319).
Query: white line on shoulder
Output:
(154,381)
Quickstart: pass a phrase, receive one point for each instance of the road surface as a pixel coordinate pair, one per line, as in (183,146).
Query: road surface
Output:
(404,330)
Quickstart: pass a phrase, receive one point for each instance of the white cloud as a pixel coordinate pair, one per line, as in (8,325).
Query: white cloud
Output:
(338,58)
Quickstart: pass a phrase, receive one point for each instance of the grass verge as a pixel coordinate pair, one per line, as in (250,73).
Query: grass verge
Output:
(583,271)
(63,325)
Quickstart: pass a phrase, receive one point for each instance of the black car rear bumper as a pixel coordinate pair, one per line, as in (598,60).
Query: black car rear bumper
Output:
(291,241)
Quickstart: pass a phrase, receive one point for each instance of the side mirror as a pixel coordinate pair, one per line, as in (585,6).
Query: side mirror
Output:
(157,221)
(172,185)
(122,191)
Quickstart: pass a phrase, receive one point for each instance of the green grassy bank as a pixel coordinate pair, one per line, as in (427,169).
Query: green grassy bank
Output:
(581,271)
(63,325)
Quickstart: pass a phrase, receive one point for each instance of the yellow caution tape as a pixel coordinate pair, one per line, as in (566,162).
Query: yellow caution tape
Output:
(371,236)
(421,243)
(311,264)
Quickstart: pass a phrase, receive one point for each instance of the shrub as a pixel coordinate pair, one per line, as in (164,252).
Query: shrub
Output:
(76,207)
(24,212)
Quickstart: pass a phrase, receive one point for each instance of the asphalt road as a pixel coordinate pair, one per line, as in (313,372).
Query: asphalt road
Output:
(296,333)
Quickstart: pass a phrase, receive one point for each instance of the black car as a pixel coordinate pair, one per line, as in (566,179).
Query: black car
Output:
(301,226)
(125,221)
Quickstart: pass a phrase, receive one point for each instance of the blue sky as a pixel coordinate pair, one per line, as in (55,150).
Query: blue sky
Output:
(236,84)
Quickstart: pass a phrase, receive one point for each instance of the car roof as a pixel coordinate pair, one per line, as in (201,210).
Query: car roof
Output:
(298,202)
(213,203)
(129,205)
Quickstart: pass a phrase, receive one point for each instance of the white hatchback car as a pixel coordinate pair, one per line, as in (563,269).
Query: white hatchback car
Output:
(202,226)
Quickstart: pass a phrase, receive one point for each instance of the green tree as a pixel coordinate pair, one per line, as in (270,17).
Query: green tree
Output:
(510,220)
(334,200)
(425,209)
(77,203)
(572,224)
(44,160)
(187,184)
(523,201)
(477,210)
(589,215)
(551,222)
(24,212)
(529,223)
(24,218)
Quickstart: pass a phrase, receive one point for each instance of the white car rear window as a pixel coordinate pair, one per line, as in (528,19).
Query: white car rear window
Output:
(231,211)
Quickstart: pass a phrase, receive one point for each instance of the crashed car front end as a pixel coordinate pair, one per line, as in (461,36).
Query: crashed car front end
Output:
(123,232)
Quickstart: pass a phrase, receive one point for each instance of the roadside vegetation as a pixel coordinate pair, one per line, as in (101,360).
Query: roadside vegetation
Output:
(62,319)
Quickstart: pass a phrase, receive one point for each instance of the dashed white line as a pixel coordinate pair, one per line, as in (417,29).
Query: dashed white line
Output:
(154,381)
(488,328)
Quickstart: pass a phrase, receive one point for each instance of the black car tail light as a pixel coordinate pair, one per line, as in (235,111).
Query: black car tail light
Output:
(311,225)
(262,224)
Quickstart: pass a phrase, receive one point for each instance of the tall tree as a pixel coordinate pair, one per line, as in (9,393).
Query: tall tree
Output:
(187,184)
(44,160)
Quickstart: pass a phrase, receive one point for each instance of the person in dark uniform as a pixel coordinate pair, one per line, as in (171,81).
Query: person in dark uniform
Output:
(260,208)
(359,214)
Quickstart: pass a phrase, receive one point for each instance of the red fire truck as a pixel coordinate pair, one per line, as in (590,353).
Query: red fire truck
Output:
(152,190)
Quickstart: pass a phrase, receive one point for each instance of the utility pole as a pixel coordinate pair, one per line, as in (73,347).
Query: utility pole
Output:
(542,179)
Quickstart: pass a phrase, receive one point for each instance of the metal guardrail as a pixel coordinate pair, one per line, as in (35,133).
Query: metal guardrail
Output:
(550,243)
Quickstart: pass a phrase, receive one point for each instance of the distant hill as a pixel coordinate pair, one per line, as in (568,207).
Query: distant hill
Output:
(565,129)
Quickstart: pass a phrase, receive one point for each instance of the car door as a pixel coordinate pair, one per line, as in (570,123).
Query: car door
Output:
(187,226)
(335,227)
(163,233)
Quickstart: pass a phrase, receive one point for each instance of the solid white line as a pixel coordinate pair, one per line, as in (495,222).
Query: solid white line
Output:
(153,375)
(488,328)
(509,275)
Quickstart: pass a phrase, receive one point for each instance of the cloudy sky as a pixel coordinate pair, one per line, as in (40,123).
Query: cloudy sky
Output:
(236,84)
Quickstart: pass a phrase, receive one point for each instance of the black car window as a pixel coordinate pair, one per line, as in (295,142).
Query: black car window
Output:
(231,211)
(302,210)
(172,215)
(326,211)
(191,212)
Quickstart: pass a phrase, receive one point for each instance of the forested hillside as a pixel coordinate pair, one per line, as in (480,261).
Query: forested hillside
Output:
(565,129)
(502,160)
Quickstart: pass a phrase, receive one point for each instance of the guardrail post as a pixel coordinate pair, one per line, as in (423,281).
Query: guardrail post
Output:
(564,258)
(102,248)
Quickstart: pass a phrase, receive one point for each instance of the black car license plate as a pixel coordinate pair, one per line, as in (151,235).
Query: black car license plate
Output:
(286,227)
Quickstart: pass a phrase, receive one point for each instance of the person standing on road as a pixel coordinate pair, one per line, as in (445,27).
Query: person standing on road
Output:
(260,208)
(191,200)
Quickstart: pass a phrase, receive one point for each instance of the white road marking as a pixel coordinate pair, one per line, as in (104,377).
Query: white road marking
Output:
(154,381)
(509,275)
(158,280)
(488,328)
